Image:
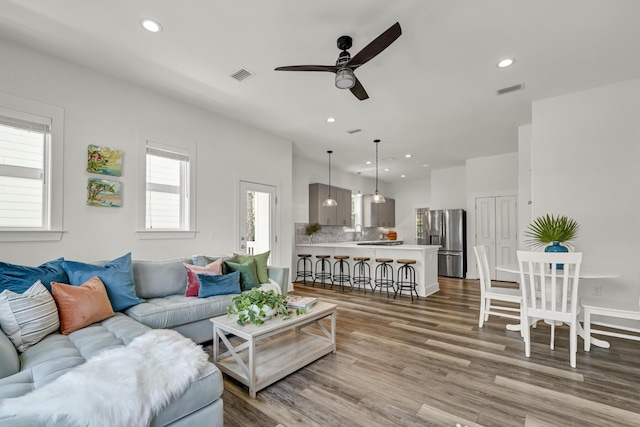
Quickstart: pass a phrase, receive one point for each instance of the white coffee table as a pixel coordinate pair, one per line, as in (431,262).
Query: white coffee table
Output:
(275,349)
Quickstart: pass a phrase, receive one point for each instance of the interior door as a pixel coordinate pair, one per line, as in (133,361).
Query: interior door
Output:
(486,229)
(496,227)
(257,219)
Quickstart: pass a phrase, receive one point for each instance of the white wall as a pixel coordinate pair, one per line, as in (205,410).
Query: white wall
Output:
(448,188)
(104,111)
(409,196)
(487,177)
(586,164)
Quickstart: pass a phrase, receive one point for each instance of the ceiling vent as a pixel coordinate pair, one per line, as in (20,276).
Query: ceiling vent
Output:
(511,88)
(352,131)
(242,74)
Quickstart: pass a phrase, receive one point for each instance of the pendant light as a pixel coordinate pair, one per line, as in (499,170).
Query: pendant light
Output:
(329,201)
(377,197)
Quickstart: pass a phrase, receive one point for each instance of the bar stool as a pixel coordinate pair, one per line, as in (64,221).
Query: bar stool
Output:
(304,272)
(362,273)
(341,271)
(384,275)
(406,277)
(323,270)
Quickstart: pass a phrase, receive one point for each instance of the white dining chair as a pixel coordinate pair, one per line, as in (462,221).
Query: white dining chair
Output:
(620,310)
(489,294)
(550,294)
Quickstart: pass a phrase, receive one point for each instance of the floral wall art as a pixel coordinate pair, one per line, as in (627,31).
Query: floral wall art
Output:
(104,192)
(104,160)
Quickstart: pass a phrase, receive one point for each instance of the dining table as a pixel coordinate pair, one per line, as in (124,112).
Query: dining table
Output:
(585,273)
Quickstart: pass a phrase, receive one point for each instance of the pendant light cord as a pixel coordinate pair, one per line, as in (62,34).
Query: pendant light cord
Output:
(329,172)
(377,141)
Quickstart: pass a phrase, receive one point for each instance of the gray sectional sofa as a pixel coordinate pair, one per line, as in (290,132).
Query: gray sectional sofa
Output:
(162,284)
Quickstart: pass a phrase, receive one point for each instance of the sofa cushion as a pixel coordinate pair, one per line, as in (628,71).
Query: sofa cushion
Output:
(117,276)
(28,317)
(19,278)
(248,277)
(261,264)
(176,310)
(193,283)
(80,306)
(155,279)
(219,284)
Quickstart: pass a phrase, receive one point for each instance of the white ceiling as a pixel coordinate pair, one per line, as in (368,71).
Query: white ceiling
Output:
(432,92)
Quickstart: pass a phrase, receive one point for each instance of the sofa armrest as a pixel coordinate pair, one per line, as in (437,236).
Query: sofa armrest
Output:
(280,275)
(9,359)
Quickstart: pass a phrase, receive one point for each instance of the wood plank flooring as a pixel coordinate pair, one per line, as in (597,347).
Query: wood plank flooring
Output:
(426,363)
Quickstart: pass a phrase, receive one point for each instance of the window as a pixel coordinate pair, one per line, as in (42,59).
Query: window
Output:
(168,197)
(30,187)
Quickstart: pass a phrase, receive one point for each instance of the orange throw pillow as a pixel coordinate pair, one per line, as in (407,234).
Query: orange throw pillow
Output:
(80,306)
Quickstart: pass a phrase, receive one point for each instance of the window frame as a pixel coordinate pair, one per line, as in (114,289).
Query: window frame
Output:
(53,166)
(180,147)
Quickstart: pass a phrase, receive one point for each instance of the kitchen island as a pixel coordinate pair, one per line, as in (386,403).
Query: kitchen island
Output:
(426,257)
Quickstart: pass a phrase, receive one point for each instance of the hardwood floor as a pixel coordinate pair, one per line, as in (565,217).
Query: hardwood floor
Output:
(426,363)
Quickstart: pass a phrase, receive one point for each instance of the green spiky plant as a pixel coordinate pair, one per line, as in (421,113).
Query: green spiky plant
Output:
(549,228)
(250,306)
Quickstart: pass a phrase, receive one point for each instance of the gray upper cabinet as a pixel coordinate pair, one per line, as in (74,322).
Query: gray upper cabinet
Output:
(378,214)
(323,215)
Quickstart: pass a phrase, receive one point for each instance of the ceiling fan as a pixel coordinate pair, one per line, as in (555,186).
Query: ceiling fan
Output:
(345,65)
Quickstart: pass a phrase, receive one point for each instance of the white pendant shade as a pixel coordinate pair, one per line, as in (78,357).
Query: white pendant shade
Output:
(377,198)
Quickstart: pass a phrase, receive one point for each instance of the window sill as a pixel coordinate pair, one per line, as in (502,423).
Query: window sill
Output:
(165,234)
(30,235)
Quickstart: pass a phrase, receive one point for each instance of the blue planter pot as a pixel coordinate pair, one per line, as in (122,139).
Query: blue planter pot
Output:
(556,247)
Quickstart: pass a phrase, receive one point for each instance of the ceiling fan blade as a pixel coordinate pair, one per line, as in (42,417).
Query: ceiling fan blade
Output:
(329,68)
(375,47)
(358,91)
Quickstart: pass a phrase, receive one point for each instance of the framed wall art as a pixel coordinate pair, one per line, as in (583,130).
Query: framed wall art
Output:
(104,192)
(104,160)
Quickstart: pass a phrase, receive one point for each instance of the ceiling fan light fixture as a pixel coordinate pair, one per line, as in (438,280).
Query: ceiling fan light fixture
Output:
(345,79)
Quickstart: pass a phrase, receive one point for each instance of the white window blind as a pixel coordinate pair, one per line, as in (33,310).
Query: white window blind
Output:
(24,143)
(167,189)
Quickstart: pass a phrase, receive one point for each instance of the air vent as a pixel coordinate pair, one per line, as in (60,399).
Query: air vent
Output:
(511,88)
(352,131)
(242,74)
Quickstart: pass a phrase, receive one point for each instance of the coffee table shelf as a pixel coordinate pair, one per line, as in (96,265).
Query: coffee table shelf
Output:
(275,349)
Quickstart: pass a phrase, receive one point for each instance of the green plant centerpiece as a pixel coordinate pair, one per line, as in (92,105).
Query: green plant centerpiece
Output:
(256,306)
(312,229)
(550,229)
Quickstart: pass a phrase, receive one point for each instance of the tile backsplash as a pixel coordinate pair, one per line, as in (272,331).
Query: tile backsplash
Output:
(336,233)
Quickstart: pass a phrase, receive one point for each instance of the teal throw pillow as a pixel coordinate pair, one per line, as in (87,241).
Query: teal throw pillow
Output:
(19,278)
(219,285)
(117,276)
(248,276)
(261,264)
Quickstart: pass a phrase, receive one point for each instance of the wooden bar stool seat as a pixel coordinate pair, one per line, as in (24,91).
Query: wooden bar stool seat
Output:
(362,273)
(341,271)
(406,278)
(307,268)
(384,275)
(323,270)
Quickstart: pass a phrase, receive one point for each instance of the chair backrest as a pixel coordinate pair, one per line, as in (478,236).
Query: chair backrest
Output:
(547,291)
(483,267)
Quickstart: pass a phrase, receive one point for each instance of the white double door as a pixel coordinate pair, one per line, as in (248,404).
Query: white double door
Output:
(497,228)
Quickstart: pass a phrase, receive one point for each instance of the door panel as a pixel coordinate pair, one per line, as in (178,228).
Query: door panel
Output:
(506,230)
(486,229)
(257,219)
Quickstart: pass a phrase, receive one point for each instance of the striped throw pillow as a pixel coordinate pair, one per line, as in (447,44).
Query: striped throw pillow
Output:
(28,317)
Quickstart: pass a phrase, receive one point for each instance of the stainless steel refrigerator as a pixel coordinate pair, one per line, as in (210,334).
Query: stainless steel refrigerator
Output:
(448,228)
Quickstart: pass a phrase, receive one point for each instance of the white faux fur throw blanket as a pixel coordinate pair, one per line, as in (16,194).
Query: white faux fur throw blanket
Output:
(123,386)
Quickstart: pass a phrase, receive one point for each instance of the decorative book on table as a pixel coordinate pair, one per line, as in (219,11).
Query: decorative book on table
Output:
(296,301)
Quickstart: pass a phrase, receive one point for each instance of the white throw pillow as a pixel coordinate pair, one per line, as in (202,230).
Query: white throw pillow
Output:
(28,317)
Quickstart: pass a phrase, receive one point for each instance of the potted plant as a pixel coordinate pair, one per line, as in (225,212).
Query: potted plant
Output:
(550,231)
(312,229)
(256,306)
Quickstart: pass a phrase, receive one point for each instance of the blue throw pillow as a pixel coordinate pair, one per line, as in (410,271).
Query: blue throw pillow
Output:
(19,278)
(117,276)
(222,284)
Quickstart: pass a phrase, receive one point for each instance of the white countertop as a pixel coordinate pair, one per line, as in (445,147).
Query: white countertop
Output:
(355,245)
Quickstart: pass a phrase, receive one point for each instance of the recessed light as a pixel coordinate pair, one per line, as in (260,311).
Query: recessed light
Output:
(407,155)
(331,119)
(425,166)
(403,176)
(151,25)
(386,170)
(368,162)
(506,62)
